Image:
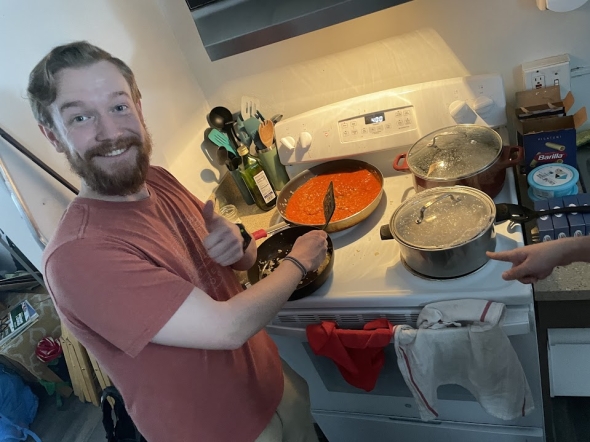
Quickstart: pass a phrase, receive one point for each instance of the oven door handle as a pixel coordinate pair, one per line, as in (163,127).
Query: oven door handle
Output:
(516,322)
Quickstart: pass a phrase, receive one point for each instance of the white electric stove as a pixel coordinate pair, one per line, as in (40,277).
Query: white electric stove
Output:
(369,280)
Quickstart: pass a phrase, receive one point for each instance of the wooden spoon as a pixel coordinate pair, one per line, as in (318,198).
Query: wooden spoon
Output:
(266,132)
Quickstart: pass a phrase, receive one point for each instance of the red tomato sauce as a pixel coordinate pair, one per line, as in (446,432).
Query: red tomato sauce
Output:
(353,191)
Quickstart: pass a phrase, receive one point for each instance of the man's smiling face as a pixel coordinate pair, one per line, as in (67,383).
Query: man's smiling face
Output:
(100,129)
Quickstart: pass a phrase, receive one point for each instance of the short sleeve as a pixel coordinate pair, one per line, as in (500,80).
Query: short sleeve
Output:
(114,291)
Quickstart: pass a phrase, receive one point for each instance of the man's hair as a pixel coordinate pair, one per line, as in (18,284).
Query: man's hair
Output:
(42,89)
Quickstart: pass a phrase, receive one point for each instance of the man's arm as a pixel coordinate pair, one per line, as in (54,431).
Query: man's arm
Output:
(202,322)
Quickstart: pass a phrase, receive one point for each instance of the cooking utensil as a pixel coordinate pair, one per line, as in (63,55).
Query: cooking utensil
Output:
(276,118)
(263,233)
(329,205)
(336,166)
(221,140)
(221,118)
(444,232)
(266,132)
(277,247)
(464,154)
(521,214)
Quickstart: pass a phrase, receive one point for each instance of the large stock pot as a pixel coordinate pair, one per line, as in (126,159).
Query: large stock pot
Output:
(444,232)
(464,154)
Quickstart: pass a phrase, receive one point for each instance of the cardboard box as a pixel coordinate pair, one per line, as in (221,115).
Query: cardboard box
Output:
(560,225)
(542,102)
(575,220)
(545,130)
(544,223)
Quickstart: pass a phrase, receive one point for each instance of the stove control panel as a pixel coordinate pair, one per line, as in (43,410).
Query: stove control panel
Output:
(390,120)
(377,124)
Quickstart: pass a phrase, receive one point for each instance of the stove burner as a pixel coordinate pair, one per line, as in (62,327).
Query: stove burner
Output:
(432,278)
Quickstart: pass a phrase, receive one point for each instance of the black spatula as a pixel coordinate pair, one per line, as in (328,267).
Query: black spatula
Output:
(329,205)
(521,214)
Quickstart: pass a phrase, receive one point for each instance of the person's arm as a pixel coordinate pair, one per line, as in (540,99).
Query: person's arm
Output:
(537,261)
(202,322)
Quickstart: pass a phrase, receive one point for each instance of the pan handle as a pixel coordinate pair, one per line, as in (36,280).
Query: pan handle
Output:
(263,233)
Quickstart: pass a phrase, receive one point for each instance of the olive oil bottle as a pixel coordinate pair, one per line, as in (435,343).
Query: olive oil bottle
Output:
(256,180)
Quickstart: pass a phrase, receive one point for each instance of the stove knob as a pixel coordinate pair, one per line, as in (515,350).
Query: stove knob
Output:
(461,112)
(483,104)
(305,140)
(289,142)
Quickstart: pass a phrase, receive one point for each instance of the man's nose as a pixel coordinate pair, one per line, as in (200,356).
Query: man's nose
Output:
(107,129)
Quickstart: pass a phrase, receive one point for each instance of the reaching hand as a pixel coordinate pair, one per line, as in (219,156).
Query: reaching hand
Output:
(310,249)
(224,242)
(534,262)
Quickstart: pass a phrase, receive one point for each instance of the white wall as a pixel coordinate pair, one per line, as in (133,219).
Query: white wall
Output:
(133,30)
(418,41)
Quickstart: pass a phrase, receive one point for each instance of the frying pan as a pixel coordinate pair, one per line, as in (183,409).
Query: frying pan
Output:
(336,166)
(278,246)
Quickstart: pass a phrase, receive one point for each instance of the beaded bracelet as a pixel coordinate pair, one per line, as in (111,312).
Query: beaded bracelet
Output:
(298,264)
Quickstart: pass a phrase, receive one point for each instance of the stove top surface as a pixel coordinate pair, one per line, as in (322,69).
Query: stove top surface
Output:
(369,273)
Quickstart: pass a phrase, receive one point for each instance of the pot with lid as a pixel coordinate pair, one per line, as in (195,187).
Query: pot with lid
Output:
(444,232)
(464,154)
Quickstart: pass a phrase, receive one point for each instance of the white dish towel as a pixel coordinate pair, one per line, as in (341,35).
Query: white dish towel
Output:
(462,342)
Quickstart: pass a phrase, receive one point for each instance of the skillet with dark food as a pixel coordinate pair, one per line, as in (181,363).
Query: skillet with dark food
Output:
(272,251)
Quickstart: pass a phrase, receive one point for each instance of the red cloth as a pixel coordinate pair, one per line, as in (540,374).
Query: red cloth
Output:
(357,353)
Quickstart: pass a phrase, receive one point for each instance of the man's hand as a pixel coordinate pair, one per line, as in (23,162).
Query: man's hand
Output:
(224,242)
(534,262)
(310,249)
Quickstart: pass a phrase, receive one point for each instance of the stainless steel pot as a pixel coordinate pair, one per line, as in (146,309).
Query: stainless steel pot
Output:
(464,154)
(336,166)
(444,232)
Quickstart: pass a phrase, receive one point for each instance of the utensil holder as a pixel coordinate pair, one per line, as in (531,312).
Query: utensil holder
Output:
(276,172)
(235,174)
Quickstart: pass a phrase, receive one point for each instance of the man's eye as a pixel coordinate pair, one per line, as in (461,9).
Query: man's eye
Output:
(79,119)
(121,107)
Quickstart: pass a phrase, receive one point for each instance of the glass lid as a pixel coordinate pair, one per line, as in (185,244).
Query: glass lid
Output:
(454,152)
(443,217)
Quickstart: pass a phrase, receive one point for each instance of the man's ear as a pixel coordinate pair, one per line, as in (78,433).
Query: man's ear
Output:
(52,137)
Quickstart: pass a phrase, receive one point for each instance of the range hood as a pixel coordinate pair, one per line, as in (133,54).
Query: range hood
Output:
(229,27)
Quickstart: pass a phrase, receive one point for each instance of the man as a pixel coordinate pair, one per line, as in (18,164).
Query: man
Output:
(142,272)
(537,261)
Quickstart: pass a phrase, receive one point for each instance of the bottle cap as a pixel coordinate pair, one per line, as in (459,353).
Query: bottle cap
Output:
(243,150)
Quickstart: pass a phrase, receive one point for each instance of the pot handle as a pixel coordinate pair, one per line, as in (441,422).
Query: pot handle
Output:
(510,156)
(400,164)
(435,200)
(385,232)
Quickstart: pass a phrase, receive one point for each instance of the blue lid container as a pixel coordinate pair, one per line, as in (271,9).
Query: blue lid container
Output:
(552,181)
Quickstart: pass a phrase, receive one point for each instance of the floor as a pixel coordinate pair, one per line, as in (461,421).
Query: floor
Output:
(74,421)
(81,422)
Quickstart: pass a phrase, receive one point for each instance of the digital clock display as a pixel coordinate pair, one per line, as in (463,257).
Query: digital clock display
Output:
(375,118)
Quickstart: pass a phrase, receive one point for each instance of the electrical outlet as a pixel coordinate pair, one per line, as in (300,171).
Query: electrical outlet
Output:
(538,81)
(551,71)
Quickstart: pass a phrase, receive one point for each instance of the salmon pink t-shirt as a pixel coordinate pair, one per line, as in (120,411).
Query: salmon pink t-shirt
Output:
(117,272)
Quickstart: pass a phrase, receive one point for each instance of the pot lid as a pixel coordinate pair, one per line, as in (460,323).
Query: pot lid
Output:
(443,217)
(455,152)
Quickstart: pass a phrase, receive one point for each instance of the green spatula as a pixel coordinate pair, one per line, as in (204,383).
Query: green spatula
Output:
(221,140)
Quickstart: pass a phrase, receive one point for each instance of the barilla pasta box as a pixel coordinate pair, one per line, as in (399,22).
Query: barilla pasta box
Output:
(560,225)
(584,200)
(575,220)
(544,129)
(544,223)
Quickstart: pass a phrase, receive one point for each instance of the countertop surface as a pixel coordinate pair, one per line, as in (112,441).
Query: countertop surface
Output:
(569,283)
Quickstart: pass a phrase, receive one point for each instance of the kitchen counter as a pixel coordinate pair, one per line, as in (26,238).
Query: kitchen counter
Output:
(569,283)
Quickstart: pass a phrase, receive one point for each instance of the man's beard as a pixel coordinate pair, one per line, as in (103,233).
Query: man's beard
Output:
(123,179)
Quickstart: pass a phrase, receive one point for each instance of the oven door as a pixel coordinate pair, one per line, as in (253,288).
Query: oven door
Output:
(391,397)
